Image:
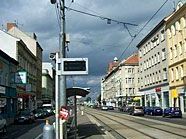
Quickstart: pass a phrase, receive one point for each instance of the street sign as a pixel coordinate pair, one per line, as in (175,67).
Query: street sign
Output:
(74,66)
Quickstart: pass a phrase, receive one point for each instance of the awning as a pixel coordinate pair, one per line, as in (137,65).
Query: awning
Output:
(136,98)
(77,91)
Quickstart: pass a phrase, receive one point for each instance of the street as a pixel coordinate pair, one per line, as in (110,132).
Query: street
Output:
(25,131)
(122,125)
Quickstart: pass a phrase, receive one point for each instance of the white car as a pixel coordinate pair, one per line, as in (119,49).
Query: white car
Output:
(3,125)
(104,108)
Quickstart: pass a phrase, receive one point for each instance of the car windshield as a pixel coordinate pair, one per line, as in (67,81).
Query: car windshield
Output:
(175,109)
(24,112)
(138,107)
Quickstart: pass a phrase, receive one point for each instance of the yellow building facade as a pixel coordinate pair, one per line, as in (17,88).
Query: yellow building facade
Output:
(176,43)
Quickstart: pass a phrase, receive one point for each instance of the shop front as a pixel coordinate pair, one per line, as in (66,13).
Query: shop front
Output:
(8,103)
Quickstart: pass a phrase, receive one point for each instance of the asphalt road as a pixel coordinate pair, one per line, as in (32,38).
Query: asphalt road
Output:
(25,131)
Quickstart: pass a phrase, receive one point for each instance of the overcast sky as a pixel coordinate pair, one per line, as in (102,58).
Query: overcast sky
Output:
(90,36)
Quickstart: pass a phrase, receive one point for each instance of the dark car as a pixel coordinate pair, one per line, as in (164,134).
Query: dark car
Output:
(172,112)
(154,111)
(110,108)
(147,110)
(136,110)
(24,116)
(38,113)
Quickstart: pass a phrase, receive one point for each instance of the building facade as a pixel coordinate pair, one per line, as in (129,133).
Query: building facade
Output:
(48,83)
(153,68)
(8,95)
(30,40)
(26,70)
(176,43)
(120,85)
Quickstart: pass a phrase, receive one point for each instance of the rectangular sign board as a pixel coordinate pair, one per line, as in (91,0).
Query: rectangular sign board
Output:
(74,66)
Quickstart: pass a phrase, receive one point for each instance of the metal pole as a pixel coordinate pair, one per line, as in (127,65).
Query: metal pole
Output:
(62,98)
(75,115)
(57,98)
(62,78)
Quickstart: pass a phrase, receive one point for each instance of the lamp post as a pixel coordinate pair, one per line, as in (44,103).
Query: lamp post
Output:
(60,79)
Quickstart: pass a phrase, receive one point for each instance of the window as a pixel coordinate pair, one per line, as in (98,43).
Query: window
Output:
(153,78)
(147,64)
(140,53)
(158,40)
(172,75)
(177,75)
(177,26)
(126,80)
(155,59)
(164,74)
(183,22)
(158,57)
(169,33)
(150,64)
(175,51)
(163,54)
(173,31)
(162,35)
(180,48)
(152,61)
(171,52)
(181,71)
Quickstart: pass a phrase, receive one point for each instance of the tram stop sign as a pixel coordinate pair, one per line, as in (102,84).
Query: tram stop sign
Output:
(74,66)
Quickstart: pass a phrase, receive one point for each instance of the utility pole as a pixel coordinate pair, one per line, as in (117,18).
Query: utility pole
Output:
(61,79)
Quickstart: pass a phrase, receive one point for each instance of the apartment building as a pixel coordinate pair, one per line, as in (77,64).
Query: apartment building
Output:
(25,74)
(153,67)
(31,42)
(176,43)
(120,85)
(48,83)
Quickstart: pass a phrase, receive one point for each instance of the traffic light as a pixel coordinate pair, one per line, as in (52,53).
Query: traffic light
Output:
(53,1)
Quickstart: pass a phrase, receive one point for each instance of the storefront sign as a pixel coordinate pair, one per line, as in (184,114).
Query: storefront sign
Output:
(174,93)
(20,77)
(2,90)
(158,89)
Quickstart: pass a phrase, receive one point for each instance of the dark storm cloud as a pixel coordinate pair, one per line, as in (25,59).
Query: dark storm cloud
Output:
(90,36)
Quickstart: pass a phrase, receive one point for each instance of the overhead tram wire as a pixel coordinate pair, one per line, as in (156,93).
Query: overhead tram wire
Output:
(142,29)
(106,18)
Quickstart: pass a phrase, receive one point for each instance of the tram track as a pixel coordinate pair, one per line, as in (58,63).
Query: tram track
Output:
(101,113)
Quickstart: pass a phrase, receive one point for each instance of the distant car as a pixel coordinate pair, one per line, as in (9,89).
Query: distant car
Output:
(172,112)
(154,111)
(110,108)
(136,110)
(104,108)
(3,124)
(38,113)
(24,116)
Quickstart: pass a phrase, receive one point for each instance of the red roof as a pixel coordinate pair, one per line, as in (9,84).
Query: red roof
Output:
(133,59)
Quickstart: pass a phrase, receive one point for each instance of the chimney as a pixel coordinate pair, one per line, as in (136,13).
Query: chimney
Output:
(10,25)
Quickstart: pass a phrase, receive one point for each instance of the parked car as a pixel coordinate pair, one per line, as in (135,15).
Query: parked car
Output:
(104,108)
(110,108)
(172,112)
(147,110)
(38,113)
(24,116)
(3,124)
(154,111)
(136,110)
